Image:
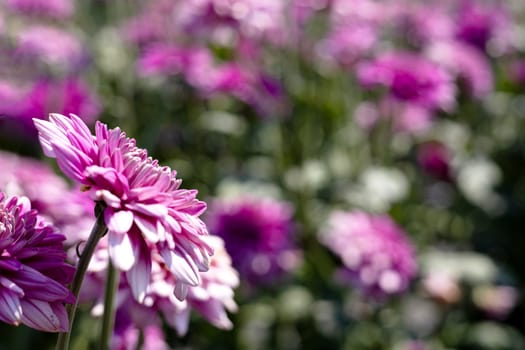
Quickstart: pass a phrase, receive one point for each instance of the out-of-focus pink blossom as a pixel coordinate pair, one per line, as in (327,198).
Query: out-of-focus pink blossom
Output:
(62,96)
(377,256)
(33,272)
(467,63)
(148,216)
(58,9)
(442,287)
(258,235)
(69,210)
(406,117)
(11,97)
(479,22)
(347,44)
(410,78)
(51,45)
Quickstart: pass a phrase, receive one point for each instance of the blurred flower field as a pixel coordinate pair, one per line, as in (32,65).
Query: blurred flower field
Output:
(359,166)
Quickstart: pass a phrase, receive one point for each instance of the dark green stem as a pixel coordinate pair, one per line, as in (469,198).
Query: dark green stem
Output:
(108,320)
(98,231)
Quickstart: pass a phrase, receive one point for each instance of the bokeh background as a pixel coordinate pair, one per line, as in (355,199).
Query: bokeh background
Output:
(364,161)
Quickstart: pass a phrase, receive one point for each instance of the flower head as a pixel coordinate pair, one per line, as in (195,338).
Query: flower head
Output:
(148,216)
(410,78)
(377,256)
(33,272)
(257,234)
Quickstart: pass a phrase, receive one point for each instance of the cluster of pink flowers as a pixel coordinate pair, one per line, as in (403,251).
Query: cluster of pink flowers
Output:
(33,272)
(377,256)
(211,299)
(43,62)
(444,47)
(176,38)
(258,234)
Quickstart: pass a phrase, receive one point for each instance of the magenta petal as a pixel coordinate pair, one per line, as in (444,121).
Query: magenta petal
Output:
(39,315)
(69,163)
(158,210)
(121,251)
(118,221)
(181,267)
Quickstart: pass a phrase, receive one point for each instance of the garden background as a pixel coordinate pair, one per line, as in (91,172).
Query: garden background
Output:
(363,161)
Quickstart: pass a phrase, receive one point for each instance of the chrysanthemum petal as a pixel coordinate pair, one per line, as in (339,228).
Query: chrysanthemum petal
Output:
(39,315)
(148,228)
(181,267)
(118,221)
(10,308)
(121,251)
(139,275)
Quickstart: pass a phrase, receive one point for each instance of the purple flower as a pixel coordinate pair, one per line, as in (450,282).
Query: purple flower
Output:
(212,299)
(33,272)
(257,234)
(148,216)
(376,254)
(410,78)
(58,9)
(479,22)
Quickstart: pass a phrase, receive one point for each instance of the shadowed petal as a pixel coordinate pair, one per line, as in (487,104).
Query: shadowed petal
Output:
(39,315)
(10,308)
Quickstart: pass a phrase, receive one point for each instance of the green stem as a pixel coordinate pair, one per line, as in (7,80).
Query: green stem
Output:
(108,319)
(98,231)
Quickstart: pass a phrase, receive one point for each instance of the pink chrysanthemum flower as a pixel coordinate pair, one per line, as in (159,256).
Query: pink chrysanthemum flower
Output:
(33,272)
(147,215)
(377,256)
